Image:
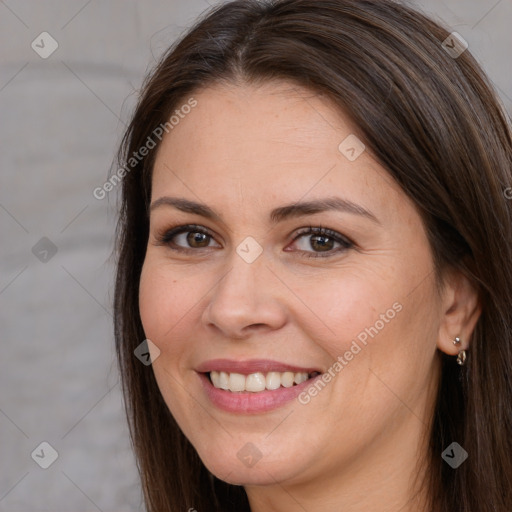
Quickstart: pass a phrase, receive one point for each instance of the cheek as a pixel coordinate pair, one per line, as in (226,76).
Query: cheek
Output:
(165,299)
(352,305)
(166,304)
(376,317)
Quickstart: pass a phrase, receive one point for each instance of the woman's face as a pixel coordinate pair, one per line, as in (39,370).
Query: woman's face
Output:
(264,300)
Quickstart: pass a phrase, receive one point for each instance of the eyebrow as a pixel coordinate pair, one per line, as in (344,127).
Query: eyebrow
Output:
(277,214)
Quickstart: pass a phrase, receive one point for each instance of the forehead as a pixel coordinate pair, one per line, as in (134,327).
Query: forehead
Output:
(246,121)
(252,142)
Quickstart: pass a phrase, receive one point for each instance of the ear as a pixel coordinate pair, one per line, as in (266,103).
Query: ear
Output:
(461,309)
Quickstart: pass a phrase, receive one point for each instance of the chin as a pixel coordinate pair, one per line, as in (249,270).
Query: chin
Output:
(235,472)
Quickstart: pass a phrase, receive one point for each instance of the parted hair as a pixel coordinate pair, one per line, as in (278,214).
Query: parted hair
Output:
(434,122)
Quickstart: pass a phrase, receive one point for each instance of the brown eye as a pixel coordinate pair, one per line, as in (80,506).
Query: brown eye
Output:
(187,238)
(318,240)
(196,239)
(321,242)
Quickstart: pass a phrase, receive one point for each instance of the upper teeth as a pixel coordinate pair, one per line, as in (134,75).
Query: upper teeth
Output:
(256,381)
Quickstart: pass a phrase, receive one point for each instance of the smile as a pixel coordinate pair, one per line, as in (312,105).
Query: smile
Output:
(257,382)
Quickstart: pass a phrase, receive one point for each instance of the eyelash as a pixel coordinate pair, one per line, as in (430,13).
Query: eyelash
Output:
(166,239)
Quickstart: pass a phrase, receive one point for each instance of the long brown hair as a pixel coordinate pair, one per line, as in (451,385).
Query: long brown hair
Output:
(433,121)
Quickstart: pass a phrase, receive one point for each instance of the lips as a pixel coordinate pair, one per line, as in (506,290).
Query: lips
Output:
(253,386)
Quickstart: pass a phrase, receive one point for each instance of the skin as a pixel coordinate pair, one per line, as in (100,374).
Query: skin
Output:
(244,150)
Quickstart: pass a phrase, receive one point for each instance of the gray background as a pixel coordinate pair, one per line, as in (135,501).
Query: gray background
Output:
(61,120)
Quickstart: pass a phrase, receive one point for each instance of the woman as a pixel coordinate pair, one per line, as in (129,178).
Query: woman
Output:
(314,253)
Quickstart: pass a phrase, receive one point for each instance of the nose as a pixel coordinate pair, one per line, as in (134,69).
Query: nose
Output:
(248,299)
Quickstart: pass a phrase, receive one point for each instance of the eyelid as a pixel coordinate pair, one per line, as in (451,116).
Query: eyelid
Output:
(345,242)
(320,230)
(165,236)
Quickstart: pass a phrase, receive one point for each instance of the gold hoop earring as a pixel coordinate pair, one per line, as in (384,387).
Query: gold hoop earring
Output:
(461,358)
